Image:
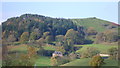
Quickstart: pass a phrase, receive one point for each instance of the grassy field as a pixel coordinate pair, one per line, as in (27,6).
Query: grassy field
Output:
(85,62)
(23,48)
(18,48)
(101,47)
(43,61)
(78,62)
(109,62)
(93,22)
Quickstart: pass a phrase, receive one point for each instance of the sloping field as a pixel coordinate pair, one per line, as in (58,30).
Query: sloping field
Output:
(78,62)
(85,62)
(98,24)
(100,47)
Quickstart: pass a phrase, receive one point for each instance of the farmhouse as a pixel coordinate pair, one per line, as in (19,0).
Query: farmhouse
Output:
(57,53)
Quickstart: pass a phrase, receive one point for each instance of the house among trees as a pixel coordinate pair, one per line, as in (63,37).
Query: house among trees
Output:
(57,53)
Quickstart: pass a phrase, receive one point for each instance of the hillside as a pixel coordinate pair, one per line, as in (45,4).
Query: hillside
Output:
(33,22)
(98,24)
(87,27)
(100,47)
(44,41)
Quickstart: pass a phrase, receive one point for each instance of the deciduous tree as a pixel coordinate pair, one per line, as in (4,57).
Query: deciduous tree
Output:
(24,37)
(90,52)
(96,61)
(113,53)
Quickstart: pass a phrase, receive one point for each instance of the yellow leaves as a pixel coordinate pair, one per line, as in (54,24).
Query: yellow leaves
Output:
(24,37)
(96,61)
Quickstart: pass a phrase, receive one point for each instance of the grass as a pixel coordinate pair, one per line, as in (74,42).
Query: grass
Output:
(49,47)
(16,43)
(78,62)
(43,61)
(85,62)
(109,62)
(21,48)
(91,37)
(101,47)
(93,22)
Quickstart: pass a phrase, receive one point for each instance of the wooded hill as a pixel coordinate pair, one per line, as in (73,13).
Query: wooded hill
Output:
(89,29)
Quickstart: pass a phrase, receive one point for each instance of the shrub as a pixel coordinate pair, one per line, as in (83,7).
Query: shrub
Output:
(24,37)
(90,52)
(96,61)
(113,53)
(59,60)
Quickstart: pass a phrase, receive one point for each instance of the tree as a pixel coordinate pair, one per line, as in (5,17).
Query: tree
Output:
(73,56)
(111,36)
(62,60)
(71,34)
(33,36)
(90,52)
(45,34)
(25,60)
(59,38)
(41,42)
(21,59)
(68,46)
(49,39)
(56,61)
(4,34)
(75,36)
(37,23)
(11,38)
(107,36)
(100,38)
(38,33)
(96,61)
(113,53)
(24,37)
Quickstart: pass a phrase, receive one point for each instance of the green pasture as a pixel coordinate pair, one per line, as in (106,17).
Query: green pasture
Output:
(102,48)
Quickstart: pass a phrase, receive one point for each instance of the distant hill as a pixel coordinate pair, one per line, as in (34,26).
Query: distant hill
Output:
(98,24)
